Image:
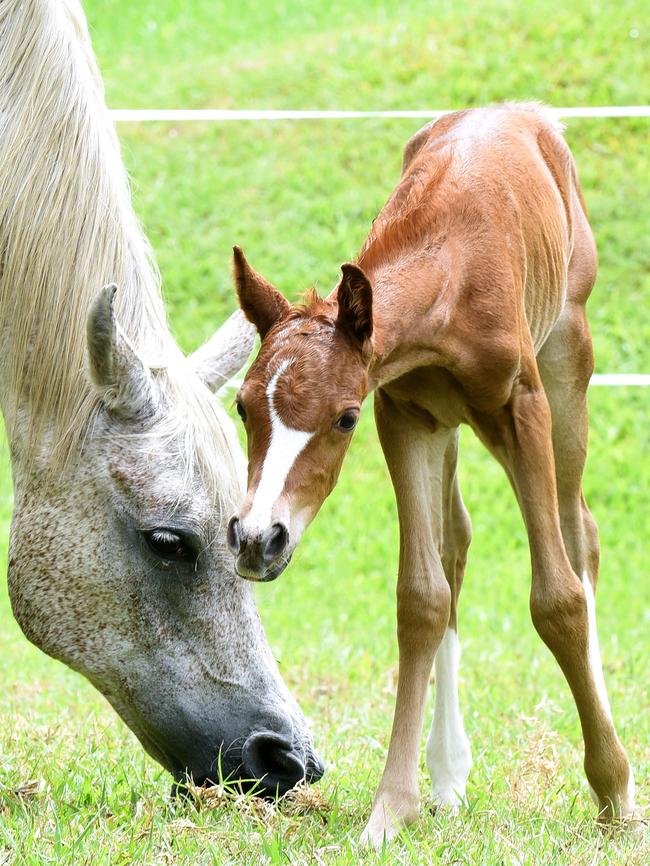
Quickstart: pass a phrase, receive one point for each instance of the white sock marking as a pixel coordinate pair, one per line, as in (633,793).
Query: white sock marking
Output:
(284,447)
(595,662)
(449,756)
(625,807)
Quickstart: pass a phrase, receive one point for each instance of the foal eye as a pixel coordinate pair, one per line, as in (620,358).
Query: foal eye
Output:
(170,545)
(347,421)
(241,411)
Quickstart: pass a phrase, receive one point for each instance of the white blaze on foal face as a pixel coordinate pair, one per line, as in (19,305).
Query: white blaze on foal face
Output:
(284,447)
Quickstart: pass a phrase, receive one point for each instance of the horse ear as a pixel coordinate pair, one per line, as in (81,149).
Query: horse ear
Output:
(262,303)
(225,353)
(119,375)
(354,296)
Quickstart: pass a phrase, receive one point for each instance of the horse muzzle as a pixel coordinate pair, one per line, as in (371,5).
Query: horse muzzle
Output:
(269,766)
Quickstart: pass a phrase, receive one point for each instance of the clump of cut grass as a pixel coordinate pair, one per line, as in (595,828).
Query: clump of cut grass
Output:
(301,800)
(305,799)
(538,765)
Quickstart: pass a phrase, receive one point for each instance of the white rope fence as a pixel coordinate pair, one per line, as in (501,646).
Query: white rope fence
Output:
(211,115)
(180,115)
(609,380)
(617,380)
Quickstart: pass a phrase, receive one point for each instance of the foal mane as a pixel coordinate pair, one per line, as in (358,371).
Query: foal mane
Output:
(427,201)
(409,213)
(67,227)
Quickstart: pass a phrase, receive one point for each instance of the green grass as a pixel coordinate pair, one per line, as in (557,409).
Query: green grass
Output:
(300,197)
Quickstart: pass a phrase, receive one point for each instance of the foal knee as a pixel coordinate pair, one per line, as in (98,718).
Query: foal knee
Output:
(423,607)
(559,613)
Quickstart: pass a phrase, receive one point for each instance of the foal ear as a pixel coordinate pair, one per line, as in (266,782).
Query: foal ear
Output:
(354,296)
(119,375)
(261,302)
(225,353)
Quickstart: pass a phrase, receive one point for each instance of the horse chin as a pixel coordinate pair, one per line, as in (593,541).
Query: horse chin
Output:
(270,572)
(277,568)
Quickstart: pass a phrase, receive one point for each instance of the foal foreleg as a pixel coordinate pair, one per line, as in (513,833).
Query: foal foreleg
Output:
(415,460)
(449,757)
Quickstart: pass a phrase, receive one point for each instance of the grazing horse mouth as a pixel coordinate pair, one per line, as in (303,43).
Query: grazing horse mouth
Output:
(267,763)
(256,773)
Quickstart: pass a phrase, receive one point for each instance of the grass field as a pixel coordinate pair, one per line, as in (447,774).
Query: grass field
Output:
(75,787)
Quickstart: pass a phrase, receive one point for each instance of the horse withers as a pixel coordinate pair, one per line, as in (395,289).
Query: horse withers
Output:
(125,467)
(466,305)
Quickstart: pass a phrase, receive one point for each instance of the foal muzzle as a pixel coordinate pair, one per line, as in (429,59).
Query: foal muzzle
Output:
(259,556)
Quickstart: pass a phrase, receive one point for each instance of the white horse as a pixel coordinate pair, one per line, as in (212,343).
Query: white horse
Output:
(124,466)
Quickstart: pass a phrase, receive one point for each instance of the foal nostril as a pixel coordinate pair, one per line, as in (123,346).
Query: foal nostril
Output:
(275,540)
(269,758)
(233,536)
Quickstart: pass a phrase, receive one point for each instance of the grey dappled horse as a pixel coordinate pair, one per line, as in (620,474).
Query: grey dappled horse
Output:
(124,464)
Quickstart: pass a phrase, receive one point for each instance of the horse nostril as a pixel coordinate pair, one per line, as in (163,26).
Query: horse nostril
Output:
(314,769)
(275,541)
(269,758)
(233,536)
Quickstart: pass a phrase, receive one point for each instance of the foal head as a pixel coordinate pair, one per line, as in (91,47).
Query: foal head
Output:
(300,404)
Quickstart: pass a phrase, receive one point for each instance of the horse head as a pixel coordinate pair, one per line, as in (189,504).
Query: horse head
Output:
(119,566)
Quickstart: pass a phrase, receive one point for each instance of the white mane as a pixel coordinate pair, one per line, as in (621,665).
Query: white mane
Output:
(67,227)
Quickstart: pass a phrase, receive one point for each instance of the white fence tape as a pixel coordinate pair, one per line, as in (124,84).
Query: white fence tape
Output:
(618,380)
(610,380)
(180,115)
(173,115)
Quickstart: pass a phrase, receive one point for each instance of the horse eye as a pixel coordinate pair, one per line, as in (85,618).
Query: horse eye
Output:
(170,545)
(347,421)
(241,411)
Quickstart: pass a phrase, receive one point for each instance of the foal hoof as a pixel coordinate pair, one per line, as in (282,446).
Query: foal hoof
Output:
(447,801)
(636,826)
(388,818)
(445,808)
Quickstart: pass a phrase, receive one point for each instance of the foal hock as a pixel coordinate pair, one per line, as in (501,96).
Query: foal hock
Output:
(466,305)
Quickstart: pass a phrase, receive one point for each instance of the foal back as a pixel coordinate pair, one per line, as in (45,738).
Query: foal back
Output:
(493,194)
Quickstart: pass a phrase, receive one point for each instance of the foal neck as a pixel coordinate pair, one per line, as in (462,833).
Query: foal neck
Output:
(411,302)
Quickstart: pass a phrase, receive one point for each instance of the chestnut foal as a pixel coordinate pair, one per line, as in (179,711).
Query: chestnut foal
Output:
(467,305)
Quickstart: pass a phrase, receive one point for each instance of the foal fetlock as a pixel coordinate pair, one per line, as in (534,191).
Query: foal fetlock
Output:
(565,619)
(449,757)
(610,777)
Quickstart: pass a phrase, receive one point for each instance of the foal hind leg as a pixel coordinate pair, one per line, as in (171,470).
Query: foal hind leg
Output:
(565,364)
(520,436)
(449,757)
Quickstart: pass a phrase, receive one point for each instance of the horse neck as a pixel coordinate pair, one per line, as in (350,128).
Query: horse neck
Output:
(67,226)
